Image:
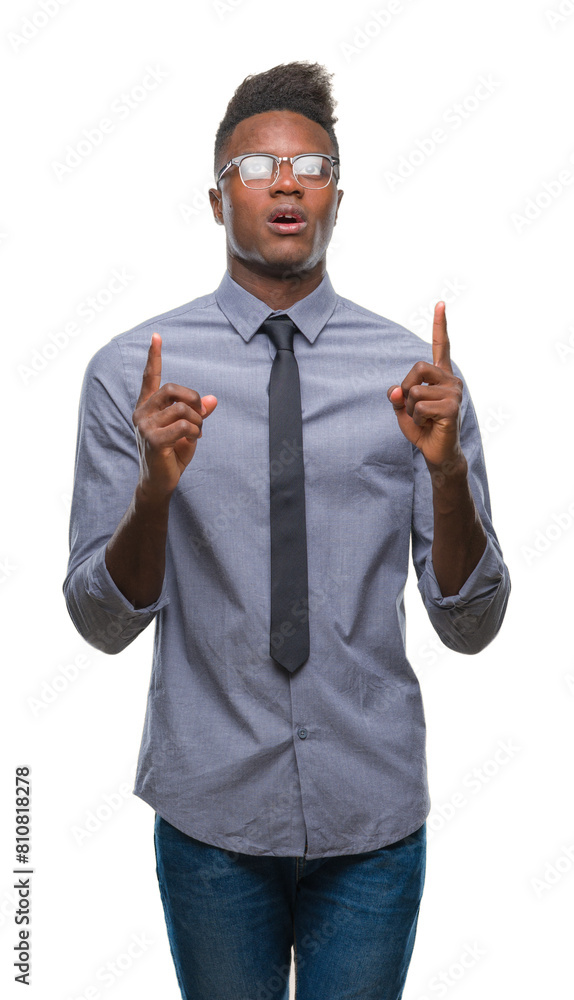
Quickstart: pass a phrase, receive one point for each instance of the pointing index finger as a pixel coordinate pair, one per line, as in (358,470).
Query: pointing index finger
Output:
(440,341)
(151,379)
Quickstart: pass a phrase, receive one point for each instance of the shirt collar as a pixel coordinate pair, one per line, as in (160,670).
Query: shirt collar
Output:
(246,313)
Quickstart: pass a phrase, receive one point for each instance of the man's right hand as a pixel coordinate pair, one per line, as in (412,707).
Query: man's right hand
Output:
(168,422)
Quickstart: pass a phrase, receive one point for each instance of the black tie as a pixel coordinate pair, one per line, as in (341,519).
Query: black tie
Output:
(289,633)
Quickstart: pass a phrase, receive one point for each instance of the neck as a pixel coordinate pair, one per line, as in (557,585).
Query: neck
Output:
(277,291)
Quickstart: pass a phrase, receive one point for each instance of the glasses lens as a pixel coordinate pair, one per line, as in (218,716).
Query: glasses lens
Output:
(258,171)
(313,171)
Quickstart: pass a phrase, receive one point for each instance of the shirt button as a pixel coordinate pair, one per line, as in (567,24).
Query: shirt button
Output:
(302,734)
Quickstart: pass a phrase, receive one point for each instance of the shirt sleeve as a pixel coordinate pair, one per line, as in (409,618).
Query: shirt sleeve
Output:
(106,473)
(466,622)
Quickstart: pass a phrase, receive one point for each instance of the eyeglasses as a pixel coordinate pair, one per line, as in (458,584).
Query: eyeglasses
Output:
(261,170)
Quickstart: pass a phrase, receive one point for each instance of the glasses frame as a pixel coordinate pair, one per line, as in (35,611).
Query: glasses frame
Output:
(236,161)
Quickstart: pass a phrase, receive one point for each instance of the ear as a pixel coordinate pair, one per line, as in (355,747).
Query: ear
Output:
(216,205)
(339,196)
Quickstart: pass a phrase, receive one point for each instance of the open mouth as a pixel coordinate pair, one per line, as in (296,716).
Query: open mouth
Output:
(286,221)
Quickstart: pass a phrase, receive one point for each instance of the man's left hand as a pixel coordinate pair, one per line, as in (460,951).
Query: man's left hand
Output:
(427,402)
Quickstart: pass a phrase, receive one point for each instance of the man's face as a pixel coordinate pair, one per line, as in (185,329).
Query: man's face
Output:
(245,212)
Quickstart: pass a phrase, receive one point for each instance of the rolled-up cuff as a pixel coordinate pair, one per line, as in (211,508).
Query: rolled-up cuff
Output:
(101,588)
(476,593)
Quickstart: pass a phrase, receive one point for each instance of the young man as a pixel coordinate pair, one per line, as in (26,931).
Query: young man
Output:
(284,743)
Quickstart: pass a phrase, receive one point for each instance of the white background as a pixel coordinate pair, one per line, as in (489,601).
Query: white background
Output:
(498,876)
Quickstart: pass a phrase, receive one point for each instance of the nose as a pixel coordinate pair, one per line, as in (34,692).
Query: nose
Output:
(286,181)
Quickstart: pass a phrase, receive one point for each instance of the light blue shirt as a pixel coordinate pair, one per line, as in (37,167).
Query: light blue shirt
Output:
(236,751)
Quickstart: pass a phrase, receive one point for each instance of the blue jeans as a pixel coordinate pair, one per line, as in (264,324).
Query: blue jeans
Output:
(233,918)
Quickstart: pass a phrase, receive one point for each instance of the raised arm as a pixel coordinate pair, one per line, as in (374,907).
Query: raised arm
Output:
(167,423)
(127,467)
(428,409)
(462,576)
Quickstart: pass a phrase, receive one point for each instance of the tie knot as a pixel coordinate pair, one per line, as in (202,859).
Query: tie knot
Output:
(280,330)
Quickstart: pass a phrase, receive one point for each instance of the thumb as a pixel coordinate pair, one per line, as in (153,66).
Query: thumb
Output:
(395,396)
(405,422)
(208,404)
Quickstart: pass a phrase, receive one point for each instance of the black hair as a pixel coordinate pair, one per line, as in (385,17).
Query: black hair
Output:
(303,87)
